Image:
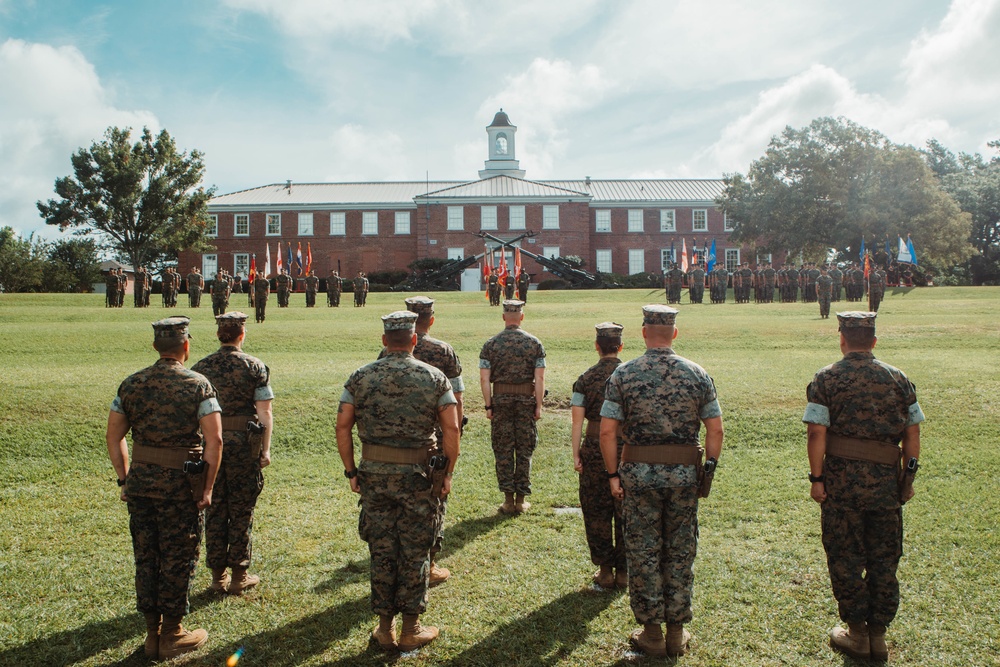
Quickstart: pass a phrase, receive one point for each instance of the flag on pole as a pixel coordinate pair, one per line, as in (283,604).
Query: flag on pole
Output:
(298,257)
(673,251)
(517,263)
(253,266)
(279,267)
(487,269)
(267,260)
(904,252)
(289,258)
(909,247)
(502,275)
(861,255)
(684,255)
(868,266)
(711,258)
(309,257)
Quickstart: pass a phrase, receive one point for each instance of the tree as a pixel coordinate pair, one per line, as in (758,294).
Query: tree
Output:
(22,262)
(144,199)
(834,183)
(72,266)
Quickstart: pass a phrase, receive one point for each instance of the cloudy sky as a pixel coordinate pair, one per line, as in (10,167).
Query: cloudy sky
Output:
(346,90)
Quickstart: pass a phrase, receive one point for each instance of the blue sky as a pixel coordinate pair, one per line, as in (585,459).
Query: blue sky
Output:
(338,90)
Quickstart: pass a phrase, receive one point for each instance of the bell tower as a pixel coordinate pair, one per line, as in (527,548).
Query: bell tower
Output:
(502,153)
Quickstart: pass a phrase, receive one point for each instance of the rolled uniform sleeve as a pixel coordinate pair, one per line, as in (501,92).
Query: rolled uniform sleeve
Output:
(540,362)
(711,410)
(447,398)
(347,397)
(457,385)
(816,414)
(578,400)
(208,406)
(116,405)
(484,363)
(263,393)
(915,414)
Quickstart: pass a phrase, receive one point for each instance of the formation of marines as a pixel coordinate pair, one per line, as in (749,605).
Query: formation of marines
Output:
(115,286)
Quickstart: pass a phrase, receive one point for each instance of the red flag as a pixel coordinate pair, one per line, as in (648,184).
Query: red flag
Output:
(279,266)
(267,260)
(487,270)
(868,266)
(309,257)
(253,266)
(684,255)
(517,263)
(502,275)
(298,256)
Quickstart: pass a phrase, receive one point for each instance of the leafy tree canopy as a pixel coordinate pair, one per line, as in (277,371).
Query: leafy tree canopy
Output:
(144,199)
(835,182)
(22,262)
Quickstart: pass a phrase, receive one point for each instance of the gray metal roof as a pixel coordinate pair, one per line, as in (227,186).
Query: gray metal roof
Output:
(402,193)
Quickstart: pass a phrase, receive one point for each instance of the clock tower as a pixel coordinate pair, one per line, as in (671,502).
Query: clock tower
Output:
(502,160)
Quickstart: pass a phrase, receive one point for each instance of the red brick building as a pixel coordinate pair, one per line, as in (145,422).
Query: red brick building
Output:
(622,226)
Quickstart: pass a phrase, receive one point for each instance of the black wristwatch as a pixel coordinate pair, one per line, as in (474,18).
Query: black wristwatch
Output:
(814,478)
(912,466)
(612,475)
(121,482)
(710,465)
(351,474)
(489,407)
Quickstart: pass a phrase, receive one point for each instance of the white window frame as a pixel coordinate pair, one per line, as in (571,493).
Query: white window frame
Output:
(550,217)
(456,218)
(488,217)
(732,257)
(369,223)
(726,224)
(212,228)
(338,223)
(456,253)
(243,270)
(550,251)
(209,265)
(694,220)
(602,260)
(668,220)
(667,258)
(516,219)
(238,219)
(636,261)
(763,257)
(635,222)
(305,224)
(402,223)
(602,220)
(268,219)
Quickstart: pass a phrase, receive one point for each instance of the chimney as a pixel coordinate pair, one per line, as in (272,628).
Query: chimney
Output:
(288,186)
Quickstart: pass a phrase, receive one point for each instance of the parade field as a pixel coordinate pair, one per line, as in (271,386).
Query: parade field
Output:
(520,592)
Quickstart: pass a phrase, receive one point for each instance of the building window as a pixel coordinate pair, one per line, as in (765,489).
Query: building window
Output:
(726,224)
(636,261)
(212,228)
(668,220)
(698,257)
(699,220)
(732,259)
(635,219)
(209,265)
(273,224)
(602,220)
(241,227)
(305,224)
(603,262)
(456,253)
(764,257)
(338,223)
(488,217)
(241,264)
(402,222)
(550,251)
(456,218)
(369,223)
(516,217)
(666,258)
(550,217)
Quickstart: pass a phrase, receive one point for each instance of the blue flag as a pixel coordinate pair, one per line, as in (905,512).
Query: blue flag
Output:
(861,255)
(673,253)
(289,258)
(909,246)
(711,258)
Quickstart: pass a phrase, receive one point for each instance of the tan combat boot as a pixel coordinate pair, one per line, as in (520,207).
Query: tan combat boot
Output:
(415,635)
(677,639)
(621,578)
(604,577)
(508,504)
(649,640)
(152,647)
(520,504)
(385,632)
(242,581)
(876,642)
(220,579)
(175,640)
(438,575)
(853,642)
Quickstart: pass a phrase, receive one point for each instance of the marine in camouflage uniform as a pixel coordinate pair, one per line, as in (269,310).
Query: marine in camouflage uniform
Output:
(139,287)
(838,281)
(824,288)
(111,285)
(312,287)
(876,289)
(220,294)
(285,283)
(397,402)
(261,290)
(244,392)
(334,286)
(509,285)
(512,379)
(660,401)
(164,406)
(859,410)
(195,284)
(493,288)
(696,284)
(523,282)
(602,513)
(769,277)
(675,281)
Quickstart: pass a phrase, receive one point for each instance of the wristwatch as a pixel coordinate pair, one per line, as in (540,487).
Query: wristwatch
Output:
(121,482)
(814,478)
(612,475)
(351,474)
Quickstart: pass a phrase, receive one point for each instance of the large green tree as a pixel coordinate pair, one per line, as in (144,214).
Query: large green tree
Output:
(72,266)
(145,199)
(22,262)
(832,184)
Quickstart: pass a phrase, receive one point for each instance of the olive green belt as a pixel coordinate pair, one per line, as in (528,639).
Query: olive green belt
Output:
(237,422)
(858,449)
(167,457)
(518,389)
(384,454)
(663,454)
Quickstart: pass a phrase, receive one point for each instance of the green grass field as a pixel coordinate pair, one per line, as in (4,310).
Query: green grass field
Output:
(520,592)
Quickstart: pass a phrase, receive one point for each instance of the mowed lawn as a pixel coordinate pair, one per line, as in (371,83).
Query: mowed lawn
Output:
(521,591)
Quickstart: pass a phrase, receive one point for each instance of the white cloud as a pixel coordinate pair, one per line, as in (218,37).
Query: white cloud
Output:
(51,103)
(358,153)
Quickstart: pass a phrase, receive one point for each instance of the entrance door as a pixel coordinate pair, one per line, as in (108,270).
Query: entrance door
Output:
(471,278)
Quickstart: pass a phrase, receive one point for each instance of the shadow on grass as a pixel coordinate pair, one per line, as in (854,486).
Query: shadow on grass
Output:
(72,646)
(455,539)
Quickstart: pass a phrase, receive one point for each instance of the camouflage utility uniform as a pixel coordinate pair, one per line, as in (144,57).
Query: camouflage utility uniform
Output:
(696,284)
(824,288)
(512,357)
(334,285)
(195,283)
(312,287)
(261,290)
(240,380)
(220,294)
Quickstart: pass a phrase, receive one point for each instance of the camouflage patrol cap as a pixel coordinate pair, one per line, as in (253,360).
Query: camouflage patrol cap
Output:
(231,319)
(854,319)
(658,314)
(512,306)
(609,330)
(172,327)
(399,320)
(419,304)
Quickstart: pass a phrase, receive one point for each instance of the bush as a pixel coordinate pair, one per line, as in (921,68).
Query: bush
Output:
(393,277)
(379,287)
(427,264)
(554,283)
